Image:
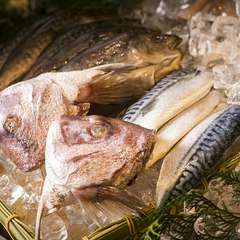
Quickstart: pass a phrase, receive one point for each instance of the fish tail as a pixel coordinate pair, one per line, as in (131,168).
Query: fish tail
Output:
(102,212)
(122,196)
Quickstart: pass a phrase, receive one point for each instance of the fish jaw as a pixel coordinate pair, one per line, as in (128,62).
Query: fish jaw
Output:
(163,54)
(171,63)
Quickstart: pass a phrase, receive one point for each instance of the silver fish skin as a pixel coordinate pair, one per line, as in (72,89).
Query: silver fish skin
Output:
(176,128)
(197,153)
(170,96)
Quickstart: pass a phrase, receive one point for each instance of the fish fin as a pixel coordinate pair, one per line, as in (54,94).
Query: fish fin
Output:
(80,109)
(116,85)
(104,212)
(110,204)
(122,196)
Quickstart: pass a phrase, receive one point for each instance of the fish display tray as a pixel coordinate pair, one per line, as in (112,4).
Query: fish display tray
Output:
(18,230)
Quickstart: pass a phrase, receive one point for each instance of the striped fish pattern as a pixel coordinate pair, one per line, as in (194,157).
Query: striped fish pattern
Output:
(209,148)
(201,156)
(147,101)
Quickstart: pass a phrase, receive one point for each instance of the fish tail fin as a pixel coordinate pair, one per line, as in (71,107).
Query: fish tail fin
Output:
(104,212)
(122,196)
(107,204)
(110,204)
(117,85)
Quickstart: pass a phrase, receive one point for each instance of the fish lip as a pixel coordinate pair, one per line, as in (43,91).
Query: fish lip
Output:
(175,42)
(171,41)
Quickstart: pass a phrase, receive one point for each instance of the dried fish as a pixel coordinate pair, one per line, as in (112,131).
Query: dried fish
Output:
(197,153)
(20,54)
(179,126)
(170,96)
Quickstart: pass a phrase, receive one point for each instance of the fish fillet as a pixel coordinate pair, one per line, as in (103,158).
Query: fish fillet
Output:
(178,127)
(199,151)
(170,96)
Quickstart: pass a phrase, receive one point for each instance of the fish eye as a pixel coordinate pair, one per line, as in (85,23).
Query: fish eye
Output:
(100,130)
(12,124)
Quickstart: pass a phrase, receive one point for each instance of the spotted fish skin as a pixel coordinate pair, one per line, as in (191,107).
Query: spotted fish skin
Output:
(19,55)
(148,99)
(204,153)
(62,53)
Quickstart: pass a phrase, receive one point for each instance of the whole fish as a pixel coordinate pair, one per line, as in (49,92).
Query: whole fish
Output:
(178,127)
(19,55)
(28,108)
(68,45)
(170,96)
(197,153)
(65,51)
(89,158)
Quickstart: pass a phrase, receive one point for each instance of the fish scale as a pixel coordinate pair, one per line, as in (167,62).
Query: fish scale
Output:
(207,151)
(160,87)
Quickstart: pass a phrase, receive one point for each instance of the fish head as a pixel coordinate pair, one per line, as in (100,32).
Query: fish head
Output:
(17,137)
(25,115)
(156,50)
(90,151)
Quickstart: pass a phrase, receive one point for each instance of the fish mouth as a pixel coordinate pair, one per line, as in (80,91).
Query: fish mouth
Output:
(177,42)
(171,41)
(169,64)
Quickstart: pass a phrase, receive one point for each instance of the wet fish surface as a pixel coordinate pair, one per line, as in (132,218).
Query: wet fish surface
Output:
(197,153)
(178,127)
(170,96)
(62,43)
(20,54)
(89,157)
(72,42)
(28,108)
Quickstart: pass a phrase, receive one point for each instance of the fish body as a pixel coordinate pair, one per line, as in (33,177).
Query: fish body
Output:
(20,54)
(197,153)
(28,108)
(71,43)
(89,157)
(178,127)
(170,96)
(68,45)
(7,48)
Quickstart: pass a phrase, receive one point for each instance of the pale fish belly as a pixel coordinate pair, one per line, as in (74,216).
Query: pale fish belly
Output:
(170,96)
(179,126)
(197,153)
